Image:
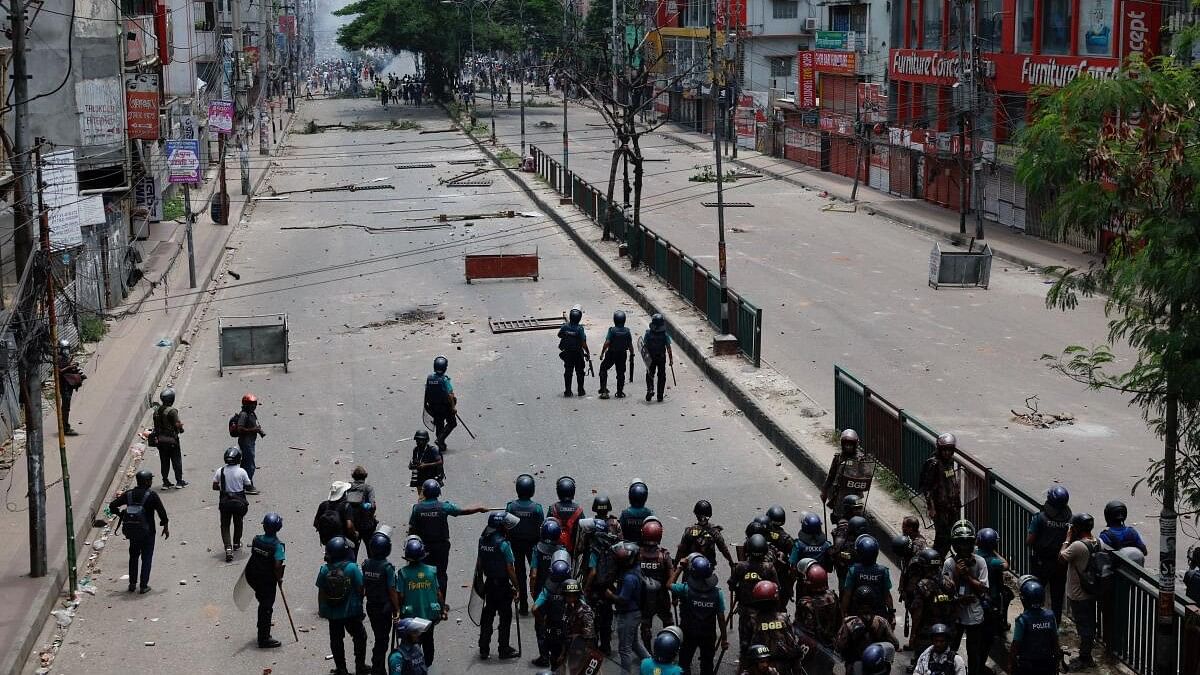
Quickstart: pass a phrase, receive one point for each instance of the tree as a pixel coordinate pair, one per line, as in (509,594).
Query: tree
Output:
(1121,156)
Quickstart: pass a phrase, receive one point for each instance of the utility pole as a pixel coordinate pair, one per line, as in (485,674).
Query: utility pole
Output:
(30,365)
(858,143)
(962,132)
(563,82)
(1165,641)
(717,122)
(976,93)
(238,127)
(521,75)
(57,360)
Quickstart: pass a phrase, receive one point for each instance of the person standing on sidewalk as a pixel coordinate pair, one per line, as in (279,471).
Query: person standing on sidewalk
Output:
(264,573)
(1076,553)
(340,601)
(248,432)
(230,481)
(136,508)
(70,378)
(167,428)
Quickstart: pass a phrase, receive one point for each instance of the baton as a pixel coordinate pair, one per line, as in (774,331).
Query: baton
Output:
(673,380)
(288,610)
(517,620)
(591,369)
(630,364)
(464,424)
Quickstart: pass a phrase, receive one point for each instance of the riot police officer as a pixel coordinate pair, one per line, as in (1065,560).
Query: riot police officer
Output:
(548,610)
(573,350)
(773,628)
(701,614)
(818,610)
(703,537)
(832,494)
(757,567)
(566,511)
(657,344)
(1047,531)
(655,564)
(383,602)
(632,517)
(496,564)
(524,537)
(862,626)
(264,573)
(426,462)
(664,651)
(810,542)
(1191,578)
(549,543)
(939,483)
(995,610)
(429,520)
(618,346)
(866,571)
(931,603)
(844,537)
(1035,649)
(441,403)
(602,571)
(782,543)
(579,635)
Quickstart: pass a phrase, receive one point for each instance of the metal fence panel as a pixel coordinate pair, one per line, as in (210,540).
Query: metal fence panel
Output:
(848,402)
(881,433)
(660,257)
(700,288)
(673,268)
(747,328)
(714,301)
(917,445)
(687,277)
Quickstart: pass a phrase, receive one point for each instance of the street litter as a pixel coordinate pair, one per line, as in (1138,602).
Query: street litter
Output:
(443,217)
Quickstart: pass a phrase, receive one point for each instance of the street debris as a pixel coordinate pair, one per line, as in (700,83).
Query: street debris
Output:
(368,228)
(349,187)
(1040,420)
(835,207)
(444,217)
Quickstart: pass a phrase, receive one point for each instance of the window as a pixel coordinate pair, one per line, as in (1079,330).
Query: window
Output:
(137,7)
(931,107)
(914,24)
(1025,34)
(206,15)
(1095,27)
(1056,26)
(933,24)
(990,24)
(781,66)
(848,18)
(784,9)
(696,15)
(953,34)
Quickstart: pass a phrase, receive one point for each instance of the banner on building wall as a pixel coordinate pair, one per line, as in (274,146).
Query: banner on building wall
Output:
(101,105)
(183,161)
(141,106)
(835,39)
(1141,24)
(834,62)
(61,196)
(736,9)
(1004,72)
(806,90)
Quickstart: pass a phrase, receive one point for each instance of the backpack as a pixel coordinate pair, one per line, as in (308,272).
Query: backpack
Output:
(1099,565)
(329,523)
(134,523)
(648,596)
(363,518)
(233,425)
(337,585)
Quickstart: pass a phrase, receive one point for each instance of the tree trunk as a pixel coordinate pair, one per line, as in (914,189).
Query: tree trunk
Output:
(1165,642)
(636,158)
(612,183)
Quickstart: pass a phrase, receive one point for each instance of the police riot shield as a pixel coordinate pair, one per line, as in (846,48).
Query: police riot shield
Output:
(427,419)
(645,353)
(581,659)
(854,478)
(475,601)
(243,595)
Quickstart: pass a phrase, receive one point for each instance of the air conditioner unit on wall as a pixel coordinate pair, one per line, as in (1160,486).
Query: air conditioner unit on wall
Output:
(810,23)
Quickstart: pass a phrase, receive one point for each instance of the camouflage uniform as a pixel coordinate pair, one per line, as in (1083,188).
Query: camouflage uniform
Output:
(820,615)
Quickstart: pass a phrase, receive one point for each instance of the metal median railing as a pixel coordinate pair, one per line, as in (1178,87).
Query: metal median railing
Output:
(691,280)
(902,443)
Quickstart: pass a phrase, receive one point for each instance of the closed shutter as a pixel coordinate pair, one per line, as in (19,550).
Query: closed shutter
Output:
(991,192)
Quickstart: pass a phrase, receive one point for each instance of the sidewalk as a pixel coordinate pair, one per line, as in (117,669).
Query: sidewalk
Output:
(123,373)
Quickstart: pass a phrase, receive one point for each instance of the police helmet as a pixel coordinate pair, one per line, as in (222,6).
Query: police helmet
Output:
(1083,522)
(776,515)
(1033,594)
(759,653)
(877,658)
(702,509)
(551,531)
(931,558)
(638,493)
(272,523)
(440,364)
(811,524)
(902,546)
(658,323)
(764,592)
(700,567)
(625,552)
(757,526)
(575,315)
(497,521)
(337,549)
(652,532)
(666,645)
(414,549)
(525,486)
(565,488)
(431,489)
(572,587)
(941,630)
(619,318)
(144,478)
(987,540)
(848,440)
(421,436)
(756,546)
(962,537)
(379,546)
(947,441)
(412,626)
(856,526)
(816,578)
(866,549)
(865,600)
(1058,496)
(1115,513)
(167,396)
(560,570)
(233,455)
(601,505)
(852,504)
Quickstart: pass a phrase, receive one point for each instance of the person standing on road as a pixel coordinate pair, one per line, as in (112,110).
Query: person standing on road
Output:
(136,508)
(602,574)
(566,511)
(579,633)
(654,561)
(549,610)
(995,611)
(1034,649)
(810,542)
(500,587)
(573,350)
(632,517)
(818,609)
(70,379)
(965,577)
(383,602)
(782,543)
(340,601)
(420,596)
(426,462)
(264,573)
(1076,553)
(615,352)
(831,492)
(657,344)
(360,498)
(942,490)
(333,515)
(703,537)
(626,599)
(248,432)
(665,653)
(701,615)
(524,537)
(429,520)
(167,428)
(230,481)
(1045,536)
(757,567)
(441,403)
(866,571)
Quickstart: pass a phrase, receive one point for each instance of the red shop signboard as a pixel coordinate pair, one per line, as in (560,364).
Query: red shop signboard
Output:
(141,106)
(808,80)
(1005,72)
(834,62)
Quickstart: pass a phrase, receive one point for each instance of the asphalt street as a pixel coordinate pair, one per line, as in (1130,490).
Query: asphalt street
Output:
(850,289)
(367,312)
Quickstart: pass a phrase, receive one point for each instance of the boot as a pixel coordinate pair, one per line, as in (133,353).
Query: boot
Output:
(268,642)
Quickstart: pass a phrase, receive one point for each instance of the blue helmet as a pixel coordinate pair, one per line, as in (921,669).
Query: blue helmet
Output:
(337,550)
(272,523)
(866,549)
(497,521)
(431,489)
(525,486)
(1033,594)
(560,570)
(638,493)
(379,546)
(877,659)
(666,645)
(987,539)
(701,567)
(1058,496)
(414,549)
(551,530)
(810,524)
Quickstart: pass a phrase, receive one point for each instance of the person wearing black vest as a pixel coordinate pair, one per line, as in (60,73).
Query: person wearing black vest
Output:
(524,537)
(136,508)
(264,573)
(573,349)
(566,511)
(426,461)
(549,609)
(495,563)
(701,615)
(440,401)
(757,567)
(618,345)
(167,428)
(1045,536)
(657,345)
(383,602)
(429,520)
(1034,648)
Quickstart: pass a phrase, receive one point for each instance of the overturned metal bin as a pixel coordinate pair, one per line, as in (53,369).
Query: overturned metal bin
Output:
(960,268)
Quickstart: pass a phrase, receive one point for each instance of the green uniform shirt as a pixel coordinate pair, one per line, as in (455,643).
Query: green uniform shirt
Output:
(418,588)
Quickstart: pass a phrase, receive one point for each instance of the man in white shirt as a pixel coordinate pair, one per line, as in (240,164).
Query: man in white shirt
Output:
(939,659)
(231,481)
(965,577)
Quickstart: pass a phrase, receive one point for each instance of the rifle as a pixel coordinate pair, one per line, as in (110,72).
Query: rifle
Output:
(673,380)
(591,368)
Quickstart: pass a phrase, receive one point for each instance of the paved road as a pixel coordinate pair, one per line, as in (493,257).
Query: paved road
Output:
(850,289)
(362,339)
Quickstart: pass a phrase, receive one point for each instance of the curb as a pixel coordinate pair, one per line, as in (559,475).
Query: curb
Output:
(871,208)
(796,452)
(48,594)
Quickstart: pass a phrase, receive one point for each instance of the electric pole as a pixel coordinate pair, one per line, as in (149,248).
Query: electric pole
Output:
(962,120)
(30,365)
(521,75)
(563,83)
(717,123)
(976,93)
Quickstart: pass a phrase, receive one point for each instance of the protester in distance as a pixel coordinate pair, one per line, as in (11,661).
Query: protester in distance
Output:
(137,508)
(247,430)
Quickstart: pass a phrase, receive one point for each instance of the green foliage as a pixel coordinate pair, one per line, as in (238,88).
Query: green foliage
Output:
(508,158)
(173,208)
(1122,155)
(91,328)
(404,125)
(708,174)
